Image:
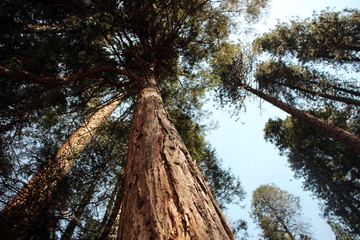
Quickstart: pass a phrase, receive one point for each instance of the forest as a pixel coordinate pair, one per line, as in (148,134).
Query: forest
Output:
(101,118)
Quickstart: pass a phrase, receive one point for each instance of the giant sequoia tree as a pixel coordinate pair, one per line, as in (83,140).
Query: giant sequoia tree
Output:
(81,54)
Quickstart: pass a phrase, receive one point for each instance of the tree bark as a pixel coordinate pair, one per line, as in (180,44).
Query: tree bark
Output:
(164,195)
(21,216)
(348,139)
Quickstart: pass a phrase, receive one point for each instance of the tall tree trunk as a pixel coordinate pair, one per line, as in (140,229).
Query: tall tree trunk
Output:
(114,228)
(21,216)
(107,230)
(81,207)
(164,195)
(111,206)
(339,88)
(350,101)
(352,92)
(348,139)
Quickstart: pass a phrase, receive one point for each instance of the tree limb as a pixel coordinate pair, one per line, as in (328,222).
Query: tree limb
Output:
(58,79)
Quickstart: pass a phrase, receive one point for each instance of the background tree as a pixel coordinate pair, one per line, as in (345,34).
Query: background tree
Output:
(294,82)
(312,67)
(234,81)
(304,55)
(329,170)
(278,213)
(342,233)
(328,36)
(312,62)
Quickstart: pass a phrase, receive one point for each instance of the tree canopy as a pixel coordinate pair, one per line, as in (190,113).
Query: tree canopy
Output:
(278,213)
(328,36)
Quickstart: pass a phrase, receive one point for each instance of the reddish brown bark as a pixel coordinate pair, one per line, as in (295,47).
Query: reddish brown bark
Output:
(348,139)
(27,208)
(164,195)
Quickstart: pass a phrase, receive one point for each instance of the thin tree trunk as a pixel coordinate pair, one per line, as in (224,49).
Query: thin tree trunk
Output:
(114,228)
(352,92)
(348,139)
(80,209)
(23,213)
(110,205)
(109,227)
(164,195)
(350,101)
(345,90)
(281,221)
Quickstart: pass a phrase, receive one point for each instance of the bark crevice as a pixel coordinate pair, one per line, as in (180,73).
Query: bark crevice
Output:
(176,201)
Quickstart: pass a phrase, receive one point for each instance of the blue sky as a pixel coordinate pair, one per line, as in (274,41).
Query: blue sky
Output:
(239,140)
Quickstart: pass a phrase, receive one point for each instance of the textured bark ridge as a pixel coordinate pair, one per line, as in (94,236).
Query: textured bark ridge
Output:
(165,196)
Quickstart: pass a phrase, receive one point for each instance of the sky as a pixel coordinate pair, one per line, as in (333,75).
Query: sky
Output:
(239,140)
